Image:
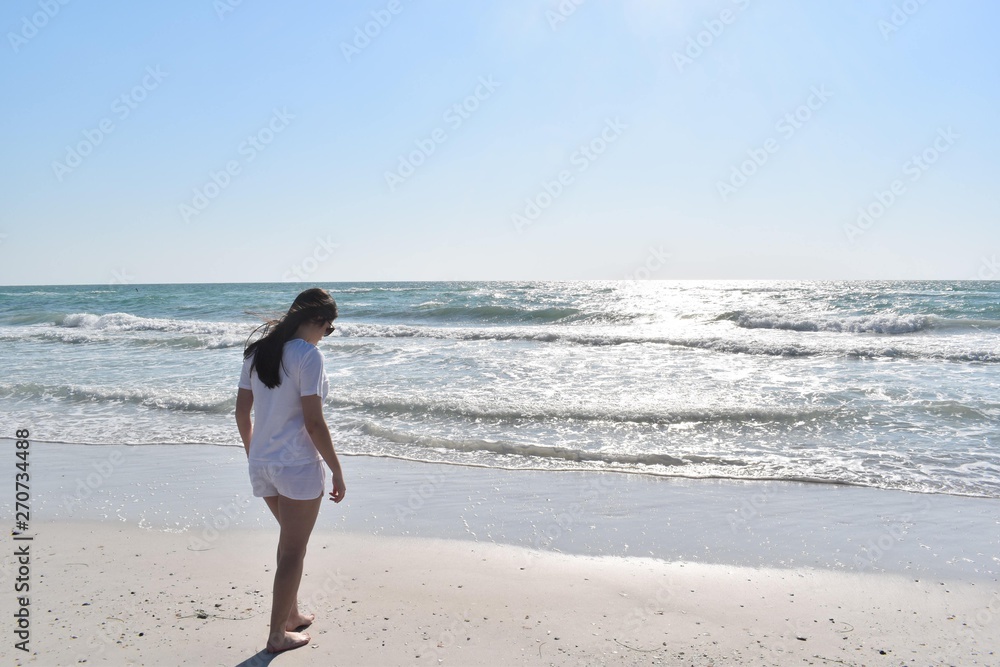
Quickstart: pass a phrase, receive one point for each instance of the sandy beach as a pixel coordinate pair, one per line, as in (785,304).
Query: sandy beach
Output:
(120,595)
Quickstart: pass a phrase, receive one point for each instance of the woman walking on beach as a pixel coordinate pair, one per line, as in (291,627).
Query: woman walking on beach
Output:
(284,381)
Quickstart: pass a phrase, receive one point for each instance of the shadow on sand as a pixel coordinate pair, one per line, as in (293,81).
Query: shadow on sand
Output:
(260,659)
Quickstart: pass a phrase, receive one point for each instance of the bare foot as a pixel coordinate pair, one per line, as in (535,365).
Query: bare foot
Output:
(288,642)
(299,621)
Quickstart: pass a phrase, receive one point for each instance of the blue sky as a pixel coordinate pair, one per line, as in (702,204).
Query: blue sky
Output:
(201,141)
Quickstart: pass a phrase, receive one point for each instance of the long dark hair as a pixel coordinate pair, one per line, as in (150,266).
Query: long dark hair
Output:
(313,305)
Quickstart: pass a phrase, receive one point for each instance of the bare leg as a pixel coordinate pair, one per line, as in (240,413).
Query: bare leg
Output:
(297,520)
(296,619)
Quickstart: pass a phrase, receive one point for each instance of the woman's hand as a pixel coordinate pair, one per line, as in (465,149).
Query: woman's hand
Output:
(319,433)
(338,487)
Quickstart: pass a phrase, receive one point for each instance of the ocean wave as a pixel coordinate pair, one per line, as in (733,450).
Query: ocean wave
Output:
(36,317)
(968,356)
(539,451)
(561,326)
(194,334)
(887,323)
(376,289)
(51,336)
(79,328)
(612,413)
(959,410)
(963,323)
(777,348)
(441,311)
(879,324)
(129,322)
(594,337)
(185,401)
(82,336)
(504,313)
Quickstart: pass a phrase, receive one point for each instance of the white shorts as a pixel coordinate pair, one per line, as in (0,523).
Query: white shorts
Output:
(302,481)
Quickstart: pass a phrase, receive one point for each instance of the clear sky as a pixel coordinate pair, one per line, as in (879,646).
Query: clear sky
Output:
(201,141)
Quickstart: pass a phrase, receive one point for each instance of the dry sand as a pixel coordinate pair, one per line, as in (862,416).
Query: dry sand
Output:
(116,594)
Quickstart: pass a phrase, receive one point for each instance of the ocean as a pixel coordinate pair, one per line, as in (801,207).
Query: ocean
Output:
(887,384)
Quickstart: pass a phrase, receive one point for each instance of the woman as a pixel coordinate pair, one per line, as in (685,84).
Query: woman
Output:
(283,380)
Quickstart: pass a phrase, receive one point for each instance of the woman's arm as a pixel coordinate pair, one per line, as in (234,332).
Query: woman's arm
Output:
(244,402)
(319,432)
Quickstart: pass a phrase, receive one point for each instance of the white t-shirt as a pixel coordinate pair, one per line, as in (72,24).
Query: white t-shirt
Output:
(279,430)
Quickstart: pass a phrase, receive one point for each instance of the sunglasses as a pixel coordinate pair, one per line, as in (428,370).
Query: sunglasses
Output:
(329,330)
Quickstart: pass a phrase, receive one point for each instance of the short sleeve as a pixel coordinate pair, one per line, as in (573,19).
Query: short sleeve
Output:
(245,373)
(312,375)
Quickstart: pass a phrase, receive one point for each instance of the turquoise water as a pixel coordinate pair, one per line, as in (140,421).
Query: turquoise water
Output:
(882,384)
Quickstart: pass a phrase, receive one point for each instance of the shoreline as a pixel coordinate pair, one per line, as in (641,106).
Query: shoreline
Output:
(203,490)
(580,470)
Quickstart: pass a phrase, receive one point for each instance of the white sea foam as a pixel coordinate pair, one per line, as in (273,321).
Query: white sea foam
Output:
(165,399)
(129,322)
(887,323)
(877,324)
(523,410)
